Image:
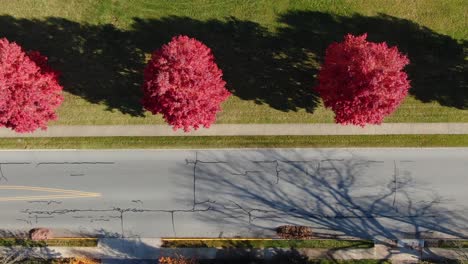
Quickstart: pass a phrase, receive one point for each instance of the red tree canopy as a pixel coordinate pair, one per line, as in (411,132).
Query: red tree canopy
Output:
(361,81)
(184,84)
(29,89)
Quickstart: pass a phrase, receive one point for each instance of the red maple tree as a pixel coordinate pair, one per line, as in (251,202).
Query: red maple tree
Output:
(29,89)
(184,84)
(361,81)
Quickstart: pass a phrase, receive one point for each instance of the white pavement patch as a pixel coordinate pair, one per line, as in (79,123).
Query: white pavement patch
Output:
(244,130)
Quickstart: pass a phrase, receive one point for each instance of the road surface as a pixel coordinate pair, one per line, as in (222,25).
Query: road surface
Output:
(390,193)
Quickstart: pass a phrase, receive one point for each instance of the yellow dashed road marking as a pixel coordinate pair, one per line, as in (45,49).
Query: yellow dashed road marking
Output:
(58,193)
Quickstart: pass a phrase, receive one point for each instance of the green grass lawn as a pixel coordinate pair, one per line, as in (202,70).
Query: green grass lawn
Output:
(280,243)
(269,52)
(448,244)
(235,142)
(244,261)
(77,242)
(296,259)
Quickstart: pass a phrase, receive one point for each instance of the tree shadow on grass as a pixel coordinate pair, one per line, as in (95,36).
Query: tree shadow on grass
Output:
(438,70)
(99,63)
(257,66)
(103,64)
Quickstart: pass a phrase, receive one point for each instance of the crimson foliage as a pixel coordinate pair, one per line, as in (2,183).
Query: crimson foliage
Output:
(184,84)
(362,82)
(29,89)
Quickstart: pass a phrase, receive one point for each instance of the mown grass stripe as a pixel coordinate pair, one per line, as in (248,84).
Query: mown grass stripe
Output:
(236,142)
(269,243)
(59,242)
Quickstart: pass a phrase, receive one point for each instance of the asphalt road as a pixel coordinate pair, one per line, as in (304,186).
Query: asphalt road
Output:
(391,193)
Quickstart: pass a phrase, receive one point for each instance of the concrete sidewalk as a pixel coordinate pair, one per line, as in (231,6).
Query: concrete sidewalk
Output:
(244,130)
(116,250)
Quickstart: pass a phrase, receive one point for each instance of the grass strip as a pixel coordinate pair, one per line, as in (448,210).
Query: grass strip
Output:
(352,261)
(45,261)
(276,243)
(80,242)
(448,244)
(236,142)
(241,261)
(297,259)
(58,261)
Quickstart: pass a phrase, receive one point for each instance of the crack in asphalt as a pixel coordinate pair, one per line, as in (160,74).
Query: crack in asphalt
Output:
(99,220)
(365,216)
(330,160)
(122,212)
(25,220)
(77,174)
(277,170)
(223,208)
(245,173)
(251,217)
(2,175)
(121,217)
(46,202)
(76,163)
(395,185)
(195,163)
(36,218)
(248,212)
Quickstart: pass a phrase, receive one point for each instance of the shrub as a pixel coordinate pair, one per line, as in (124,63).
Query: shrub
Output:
(289,257)
(362,82)
(184,84)
(83,260)
(40,233)
(294,232)
(176,260)
(29,89)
